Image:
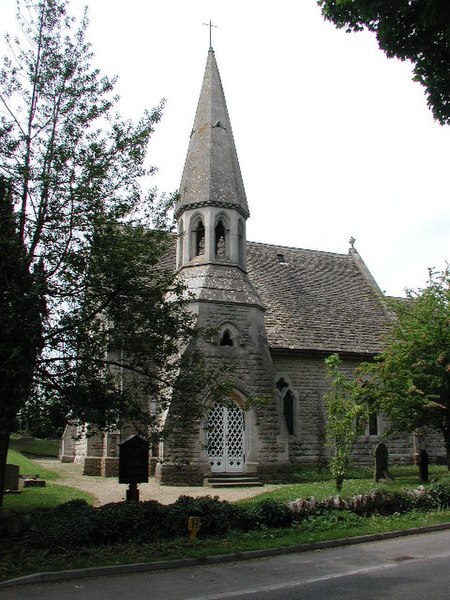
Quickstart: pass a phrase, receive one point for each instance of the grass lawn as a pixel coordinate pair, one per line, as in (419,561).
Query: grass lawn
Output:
(33,498)
(33,446)
(360,483)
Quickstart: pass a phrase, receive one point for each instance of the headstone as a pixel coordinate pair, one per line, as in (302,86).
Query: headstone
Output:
(133,464)
(33,482)
(381,463)
(423,466)
(11,479)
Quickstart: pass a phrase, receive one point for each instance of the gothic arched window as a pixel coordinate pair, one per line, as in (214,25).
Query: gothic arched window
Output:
(220,247)
(200,239)
(288,410)
(226,339)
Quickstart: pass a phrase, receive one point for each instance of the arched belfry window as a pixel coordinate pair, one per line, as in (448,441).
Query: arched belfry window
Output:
(220,245)
(226,338)
(200,239)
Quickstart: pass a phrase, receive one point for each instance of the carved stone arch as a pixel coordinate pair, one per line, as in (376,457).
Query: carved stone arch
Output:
(239,398)
(228,335)
(222,216)
(288,403)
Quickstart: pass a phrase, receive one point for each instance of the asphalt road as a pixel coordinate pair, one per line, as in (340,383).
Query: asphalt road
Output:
(412,568)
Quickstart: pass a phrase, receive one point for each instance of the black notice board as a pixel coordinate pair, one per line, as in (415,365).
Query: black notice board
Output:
(133,460)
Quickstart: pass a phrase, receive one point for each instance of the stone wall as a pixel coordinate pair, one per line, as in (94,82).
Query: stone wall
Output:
(307,380)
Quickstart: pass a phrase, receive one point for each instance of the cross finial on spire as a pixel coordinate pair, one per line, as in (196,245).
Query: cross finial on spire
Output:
(210,25)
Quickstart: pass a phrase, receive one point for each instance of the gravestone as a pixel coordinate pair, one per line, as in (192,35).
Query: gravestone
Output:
(11,479)
(381,463)
(33,482)
(423,466)
(133,464)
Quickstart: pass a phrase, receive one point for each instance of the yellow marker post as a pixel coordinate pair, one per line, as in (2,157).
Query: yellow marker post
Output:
(194,524)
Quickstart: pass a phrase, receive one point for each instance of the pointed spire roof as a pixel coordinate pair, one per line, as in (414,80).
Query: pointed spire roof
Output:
(212,176)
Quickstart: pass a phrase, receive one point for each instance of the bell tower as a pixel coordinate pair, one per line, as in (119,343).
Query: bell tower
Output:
(212,209)
(212,212)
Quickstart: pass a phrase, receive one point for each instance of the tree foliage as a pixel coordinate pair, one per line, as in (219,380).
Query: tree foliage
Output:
(346,417)
(410,380)
(21,312)
(415,30)
(94,316)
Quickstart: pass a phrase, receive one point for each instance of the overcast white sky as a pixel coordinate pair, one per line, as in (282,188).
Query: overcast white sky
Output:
(334,140)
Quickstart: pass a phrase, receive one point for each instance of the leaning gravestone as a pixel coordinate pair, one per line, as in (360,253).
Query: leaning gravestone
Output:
(381,463)
(133,464)
(423,466)
(11,479)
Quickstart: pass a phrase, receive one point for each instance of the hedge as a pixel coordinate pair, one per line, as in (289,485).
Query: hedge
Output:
(76,524)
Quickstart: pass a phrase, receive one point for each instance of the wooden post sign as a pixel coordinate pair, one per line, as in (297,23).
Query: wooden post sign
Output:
(194,524)
(133,464)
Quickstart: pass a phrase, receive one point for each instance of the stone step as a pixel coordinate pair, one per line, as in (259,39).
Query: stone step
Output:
(231,481)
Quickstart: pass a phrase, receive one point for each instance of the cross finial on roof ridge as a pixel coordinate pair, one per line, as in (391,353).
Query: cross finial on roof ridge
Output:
(352,241)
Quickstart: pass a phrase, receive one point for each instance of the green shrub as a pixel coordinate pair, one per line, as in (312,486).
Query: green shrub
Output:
(270,513)
(76,524)
(68,525)
(396,502)
(130,521)
(332,519)
(440,492)
(217,516)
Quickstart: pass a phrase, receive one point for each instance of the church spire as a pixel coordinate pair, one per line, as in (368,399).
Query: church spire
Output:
(212,176)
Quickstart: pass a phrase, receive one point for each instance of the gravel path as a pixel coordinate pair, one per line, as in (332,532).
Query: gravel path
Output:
(108,489)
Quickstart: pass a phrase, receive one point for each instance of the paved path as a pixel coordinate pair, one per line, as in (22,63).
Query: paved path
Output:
(108,489)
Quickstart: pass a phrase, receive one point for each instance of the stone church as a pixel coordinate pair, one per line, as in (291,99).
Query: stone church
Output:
(278,312)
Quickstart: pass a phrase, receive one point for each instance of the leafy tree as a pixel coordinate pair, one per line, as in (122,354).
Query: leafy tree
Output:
(415,30)
(21,315)
(93,322)
(346,416)
(410,380)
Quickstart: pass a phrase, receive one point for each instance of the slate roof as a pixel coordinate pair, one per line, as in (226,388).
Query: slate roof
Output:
(220,283)
(317,301)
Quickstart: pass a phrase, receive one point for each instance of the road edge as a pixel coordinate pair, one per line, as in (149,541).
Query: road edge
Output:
(52,576)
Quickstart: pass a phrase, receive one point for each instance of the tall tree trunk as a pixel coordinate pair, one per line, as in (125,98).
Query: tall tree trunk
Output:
(4,444)
(447,448)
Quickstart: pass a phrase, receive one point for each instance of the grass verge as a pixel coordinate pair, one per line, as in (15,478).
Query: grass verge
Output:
(18,560)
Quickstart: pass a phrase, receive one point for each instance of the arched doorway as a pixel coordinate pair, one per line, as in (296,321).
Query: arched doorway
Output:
(225,438)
